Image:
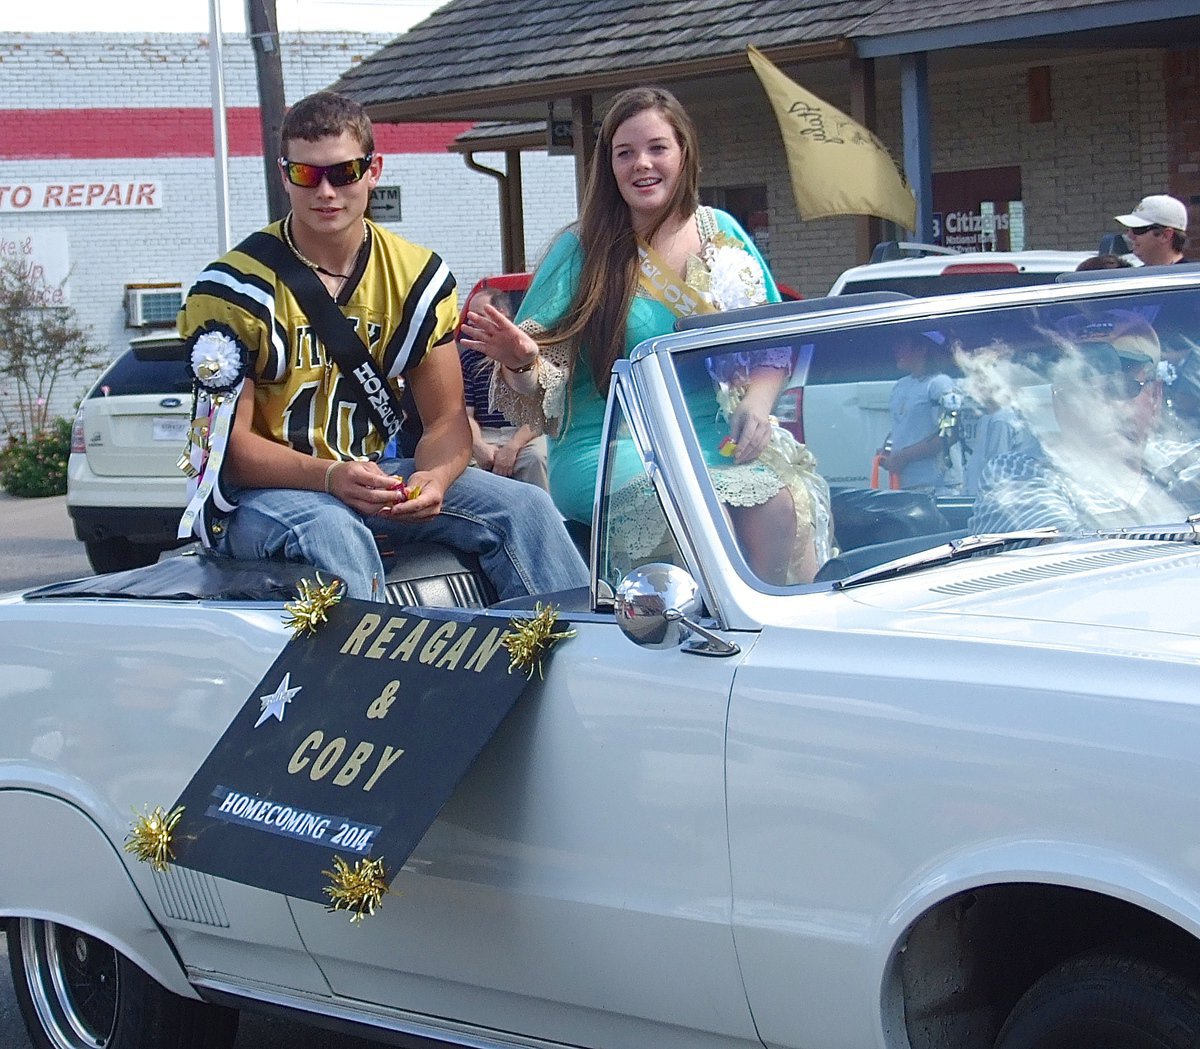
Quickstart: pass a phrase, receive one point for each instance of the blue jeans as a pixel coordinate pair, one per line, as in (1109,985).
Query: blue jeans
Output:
(513,527)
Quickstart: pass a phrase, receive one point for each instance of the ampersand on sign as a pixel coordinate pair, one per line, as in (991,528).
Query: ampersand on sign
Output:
(382,703)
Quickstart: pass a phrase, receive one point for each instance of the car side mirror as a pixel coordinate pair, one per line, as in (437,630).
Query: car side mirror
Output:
(656,607)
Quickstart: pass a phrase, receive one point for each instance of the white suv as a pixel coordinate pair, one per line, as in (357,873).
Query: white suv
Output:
(929,269)
(125,491)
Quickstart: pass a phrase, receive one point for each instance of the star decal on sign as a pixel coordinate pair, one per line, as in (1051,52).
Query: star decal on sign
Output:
(272,705)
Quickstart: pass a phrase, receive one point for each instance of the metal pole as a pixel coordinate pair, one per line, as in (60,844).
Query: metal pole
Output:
(220,138)
(918,148)
(262,25)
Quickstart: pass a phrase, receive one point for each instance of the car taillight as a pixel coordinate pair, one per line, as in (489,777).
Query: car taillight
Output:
(789,410)
(77,442)
(959,268)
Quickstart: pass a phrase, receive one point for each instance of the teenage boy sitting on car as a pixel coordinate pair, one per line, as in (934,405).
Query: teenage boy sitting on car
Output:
(301,475)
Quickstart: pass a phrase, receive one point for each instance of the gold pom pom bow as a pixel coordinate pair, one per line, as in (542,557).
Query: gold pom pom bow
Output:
(532,638)
(359,889)
(149,838)
(311,608)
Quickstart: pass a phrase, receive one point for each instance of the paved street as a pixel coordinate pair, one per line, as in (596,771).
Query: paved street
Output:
(37,543)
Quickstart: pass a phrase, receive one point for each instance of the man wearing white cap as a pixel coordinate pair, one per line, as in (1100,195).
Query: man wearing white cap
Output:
(1157,230)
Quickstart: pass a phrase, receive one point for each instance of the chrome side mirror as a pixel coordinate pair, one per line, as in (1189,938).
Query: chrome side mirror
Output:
(656,607)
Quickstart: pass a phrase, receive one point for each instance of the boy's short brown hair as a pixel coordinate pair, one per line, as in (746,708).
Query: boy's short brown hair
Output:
(326,114)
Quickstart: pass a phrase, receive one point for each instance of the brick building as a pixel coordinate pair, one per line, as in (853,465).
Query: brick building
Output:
(107,176)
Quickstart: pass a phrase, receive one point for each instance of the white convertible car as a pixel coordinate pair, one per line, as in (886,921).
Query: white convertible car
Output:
(946,795)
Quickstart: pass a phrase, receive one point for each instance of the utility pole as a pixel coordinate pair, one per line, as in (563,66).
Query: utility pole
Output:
(262,26)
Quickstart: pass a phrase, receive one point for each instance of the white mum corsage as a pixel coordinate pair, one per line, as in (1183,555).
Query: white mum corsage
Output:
(735,278)
(218,360)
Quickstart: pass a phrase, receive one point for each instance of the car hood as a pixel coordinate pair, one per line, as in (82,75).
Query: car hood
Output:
(1087,595)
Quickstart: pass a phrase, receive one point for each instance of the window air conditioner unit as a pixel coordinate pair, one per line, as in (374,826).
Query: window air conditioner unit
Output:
(152,305)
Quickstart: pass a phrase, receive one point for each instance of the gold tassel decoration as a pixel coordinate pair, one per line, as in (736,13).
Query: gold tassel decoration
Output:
(531,639)
(359,889)
(311,608)
(149,839)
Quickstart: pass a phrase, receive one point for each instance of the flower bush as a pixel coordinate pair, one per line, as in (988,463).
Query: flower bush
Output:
(37,466)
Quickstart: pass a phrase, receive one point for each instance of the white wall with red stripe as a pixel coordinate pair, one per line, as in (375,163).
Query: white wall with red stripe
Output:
(107,175)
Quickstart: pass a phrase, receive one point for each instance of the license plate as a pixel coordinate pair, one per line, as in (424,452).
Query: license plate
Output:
(170,429)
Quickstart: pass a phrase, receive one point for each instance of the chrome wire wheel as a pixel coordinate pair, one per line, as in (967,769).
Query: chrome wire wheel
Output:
(73,984)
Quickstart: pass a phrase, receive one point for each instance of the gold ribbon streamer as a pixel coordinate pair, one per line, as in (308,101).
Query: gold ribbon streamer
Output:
(359,889)
(311,608)
(149,838)
(530,639)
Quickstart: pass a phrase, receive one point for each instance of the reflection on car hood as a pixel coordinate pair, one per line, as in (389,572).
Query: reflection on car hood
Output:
(1054,594)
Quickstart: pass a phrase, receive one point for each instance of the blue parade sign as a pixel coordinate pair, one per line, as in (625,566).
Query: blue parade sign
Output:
(349,747)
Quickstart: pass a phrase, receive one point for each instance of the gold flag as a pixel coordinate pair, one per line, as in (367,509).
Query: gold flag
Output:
(838,167)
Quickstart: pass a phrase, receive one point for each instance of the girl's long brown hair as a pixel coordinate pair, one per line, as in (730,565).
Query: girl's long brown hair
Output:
(597,315)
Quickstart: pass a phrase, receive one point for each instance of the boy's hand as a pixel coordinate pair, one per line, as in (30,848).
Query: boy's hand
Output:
(418,497)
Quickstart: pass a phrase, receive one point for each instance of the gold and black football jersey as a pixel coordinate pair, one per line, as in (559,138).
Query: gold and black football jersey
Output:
(402,303)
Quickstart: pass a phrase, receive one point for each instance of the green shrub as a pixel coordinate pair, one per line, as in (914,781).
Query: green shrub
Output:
(37,466)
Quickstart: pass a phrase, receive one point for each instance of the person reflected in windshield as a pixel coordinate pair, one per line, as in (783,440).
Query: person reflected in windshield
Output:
(1097,461)
(1181,354)
(922,404)
(999,428)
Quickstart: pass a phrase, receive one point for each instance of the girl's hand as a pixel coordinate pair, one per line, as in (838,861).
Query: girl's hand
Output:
(751,429)
(497,337)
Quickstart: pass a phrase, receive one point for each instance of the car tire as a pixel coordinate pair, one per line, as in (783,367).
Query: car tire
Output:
(1105,1001)
(76,992)
(119,554)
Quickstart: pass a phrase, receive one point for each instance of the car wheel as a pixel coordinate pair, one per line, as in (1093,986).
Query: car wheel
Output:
(1105,1001)
(76,992)
(119,554)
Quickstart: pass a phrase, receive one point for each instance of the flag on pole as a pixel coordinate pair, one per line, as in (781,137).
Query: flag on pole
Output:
(838,167)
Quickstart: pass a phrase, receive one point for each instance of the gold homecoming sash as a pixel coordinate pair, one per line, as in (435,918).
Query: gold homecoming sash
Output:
(658,281)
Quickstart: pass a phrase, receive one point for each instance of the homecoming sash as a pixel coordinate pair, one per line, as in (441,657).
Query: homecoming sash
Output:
(659,282)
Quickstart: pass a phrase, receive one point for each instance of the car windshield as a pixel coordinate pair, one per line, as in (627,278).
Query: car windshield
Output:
(1079,415)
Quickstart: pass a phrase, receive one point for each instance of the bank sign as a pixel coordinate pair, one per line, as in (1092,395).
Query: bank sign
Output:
(98,194)
(979,209)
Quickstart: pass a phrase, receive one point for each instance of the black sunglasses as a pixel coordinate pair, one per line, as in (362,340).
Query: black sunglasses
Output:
(1119,376)
(309,175)
(1128,382)
(1138,231)
(1132,387)
(1120,387)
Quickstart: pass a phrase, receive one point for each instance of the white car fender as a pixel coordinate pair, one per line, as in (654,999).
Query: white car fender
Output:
(1063,863)
(73,854)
